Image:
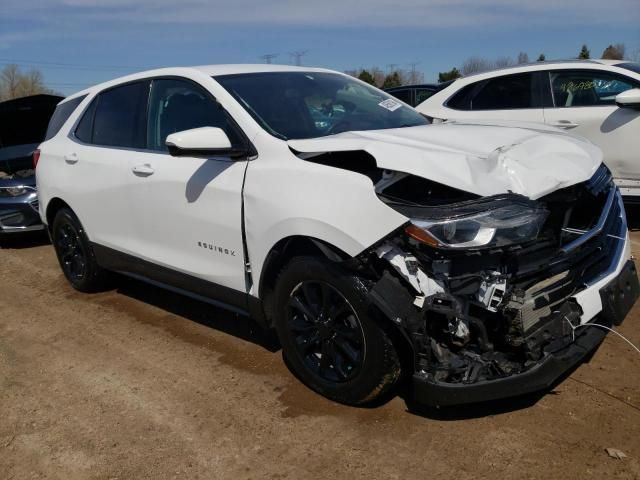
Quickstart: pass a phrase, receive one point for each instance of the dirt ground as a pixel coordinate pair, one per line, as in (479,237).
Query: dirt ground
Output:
(139,383)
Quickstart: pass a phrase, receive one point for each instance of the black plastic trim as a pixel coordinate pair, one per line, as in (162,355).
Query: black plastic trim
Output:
(219,295)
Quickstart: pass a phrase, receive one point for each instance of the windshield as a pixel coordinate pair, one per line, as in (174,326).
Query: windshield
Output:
(295,105)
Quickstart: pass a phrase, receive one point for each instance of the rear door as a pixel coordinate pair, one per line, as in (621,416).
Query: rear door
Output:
(187,211)
(514,97)
(109,134)
(584,104)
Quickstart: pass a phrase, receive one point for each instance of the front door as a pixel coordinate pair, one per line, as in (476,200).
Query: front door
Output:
(187,210)
(584,104)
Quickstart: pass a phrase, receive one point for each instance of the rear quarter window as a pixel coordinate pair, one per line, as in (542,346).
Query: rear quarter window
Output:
(61,114)
(500,93)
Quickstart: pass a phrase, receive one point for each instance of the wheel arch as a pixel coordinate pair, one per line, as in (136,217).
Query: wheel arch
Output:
(295,245)
(283,251)
(53,207)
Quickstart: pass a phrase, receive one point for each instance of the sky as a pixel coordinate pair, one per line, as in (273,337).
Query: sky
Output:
(78,43)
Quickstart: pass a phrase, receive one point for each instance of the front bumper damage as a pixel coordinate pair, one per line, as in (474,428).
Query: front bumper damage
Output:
(498,323)
(551,367)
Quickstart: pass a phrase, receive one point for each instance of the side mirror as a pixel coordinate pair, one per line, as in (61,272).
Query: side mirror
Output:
(629,99)
(202,142)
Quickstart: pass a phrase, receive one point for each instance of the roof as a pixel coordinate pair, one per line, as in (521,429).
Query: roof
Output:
(547,63)
(230,69)
(210,70)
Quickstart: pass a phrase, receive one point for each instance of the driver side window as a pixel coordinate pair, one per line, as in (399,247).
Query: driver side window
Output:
(176,105)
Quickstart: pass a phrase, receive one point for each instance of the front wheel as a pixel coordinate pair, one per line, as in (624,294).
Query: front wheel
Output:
(328,337)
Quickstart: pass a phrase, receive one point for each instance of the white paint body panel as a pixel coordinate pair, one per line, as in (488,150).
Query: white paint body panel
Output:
(162,216)
(589,299)
(185,212)
(616,131)
(482,159)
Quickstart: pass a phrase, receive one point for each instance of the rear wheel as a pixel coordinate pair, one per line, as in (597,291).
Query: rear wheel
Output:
(328,337)
(75,254)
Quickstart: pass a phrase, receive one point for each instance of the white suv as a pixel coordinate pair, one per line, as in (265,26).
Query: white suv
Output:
(597,99)
(465,258)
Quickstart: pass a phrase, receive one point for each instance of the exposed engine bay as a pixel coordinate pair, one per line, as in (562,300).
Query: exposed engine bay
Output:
(482,312)
(11,175)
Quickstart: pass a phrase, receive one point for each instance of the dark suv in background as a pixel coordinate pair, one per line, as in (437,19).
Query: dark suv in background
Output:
(23,125)
(416,94)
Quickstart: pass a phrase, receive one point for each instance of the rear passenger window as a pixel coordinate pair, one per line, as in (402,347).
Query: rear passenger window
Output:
(500,93)
(62,112)
(177,105)
(119,119)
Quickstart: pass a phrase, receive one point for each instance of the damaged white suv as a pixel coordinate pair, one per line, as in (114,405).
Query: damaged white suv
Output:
(465,258)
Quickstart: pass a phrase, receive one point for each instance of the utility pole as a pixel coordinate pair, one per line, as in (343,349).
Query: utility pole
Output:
(267,57)
(414,73)
(392,67)
(297,56)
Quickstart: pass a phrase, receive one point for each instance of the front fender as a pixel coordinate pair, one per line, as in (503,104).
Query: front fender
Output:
(298,198)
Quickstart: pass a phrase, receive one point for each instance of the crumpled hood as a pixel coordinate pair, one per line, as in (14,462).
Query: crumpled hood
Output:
(483,159)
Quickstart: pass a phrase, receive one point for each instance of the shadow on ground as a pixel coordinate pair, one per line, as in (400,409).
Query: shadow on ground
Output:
(198,311)
(23,240)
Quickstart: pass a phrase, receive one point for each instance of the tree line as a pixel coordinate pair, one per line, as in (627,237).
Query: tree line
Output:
(478,64)
(394,77)
(14,83)
(398,77)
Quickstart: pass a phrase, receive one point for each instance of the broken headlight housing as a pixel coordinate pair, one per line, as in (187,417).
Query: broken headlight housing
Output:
(489,222)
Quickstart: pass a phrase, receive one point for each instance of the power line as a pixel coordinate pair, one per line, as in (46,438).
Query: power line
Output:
(297,56)
(267,57)
(413,73)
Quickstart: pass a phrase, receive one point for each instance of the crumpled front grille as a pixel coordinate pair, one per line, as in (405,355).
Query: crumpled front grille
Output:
(581,261)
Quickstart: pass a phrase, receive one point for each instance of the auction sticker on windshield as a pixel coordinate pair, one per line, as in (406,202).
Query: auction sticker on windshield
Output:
(390,104)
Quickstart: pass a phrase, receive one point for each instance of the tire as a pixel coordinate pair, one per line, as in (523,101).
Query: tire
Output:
(328,339)
(75,254)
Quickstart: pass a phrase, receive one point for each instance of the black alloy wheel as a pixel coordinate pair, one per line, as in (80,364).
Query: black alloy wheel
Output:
(75,253)
(331,339)
(73,257)
(328,335)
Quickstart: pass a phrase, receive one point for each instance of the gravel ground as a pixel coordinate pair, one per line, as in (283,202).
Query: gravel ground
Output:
(139,383)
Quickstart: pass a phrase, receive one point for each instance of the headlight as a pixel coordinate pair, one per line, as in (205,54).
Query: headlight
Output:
(12,191)
(491,222)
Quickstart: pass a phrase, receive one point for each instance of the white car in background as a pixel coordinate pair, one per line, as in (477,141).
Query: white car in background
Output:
(380,247)
(597,99)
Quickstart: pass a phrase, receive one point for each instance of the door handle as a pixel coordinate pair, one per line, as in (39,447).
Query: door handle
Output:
(71,158)
(566,124)
(143,170)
